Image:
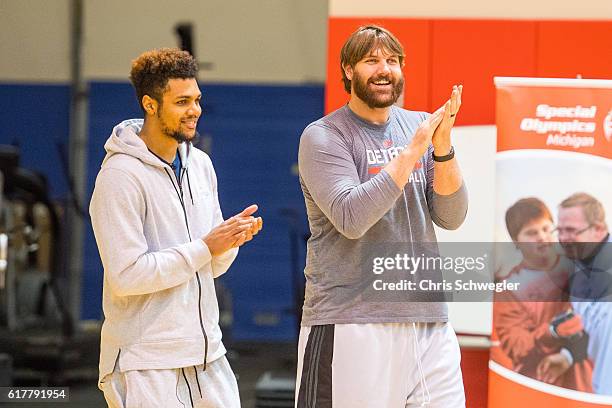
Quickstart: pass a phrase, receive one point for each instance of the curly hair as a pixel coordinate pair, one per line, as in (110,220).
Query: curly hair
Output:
(363,41)
(152,70)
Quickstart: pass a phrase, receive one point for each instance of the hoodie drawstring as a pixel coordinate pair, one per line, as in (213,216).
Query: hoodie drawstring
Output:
(181,200)
(189,185)
(423,382)
(180,196)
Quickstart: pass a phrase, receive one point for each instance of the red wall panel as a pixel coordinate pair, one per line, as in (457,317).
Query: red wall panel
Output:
(568,48)
(440,53)
(472,52)
(475,369)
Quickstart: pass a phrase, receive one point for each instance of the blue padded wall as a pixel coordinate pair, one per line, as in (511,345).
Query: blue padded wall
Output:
(36,118)
(255,132)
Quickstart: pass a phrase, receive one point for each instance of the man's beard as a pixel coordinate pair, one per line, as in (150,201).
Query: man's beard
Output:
(175,134)
(377,99)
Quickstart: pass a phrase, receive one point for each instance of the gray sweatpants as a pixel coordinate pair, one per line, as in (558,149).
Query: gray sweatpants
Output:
(180,387)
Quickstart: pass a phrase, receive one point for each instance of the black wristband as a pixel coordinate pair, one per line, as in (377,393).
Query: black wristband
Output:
(448,157)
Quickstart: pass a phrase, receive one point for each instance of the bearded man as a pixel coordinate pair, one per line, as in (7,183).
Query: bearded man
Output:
(372,172)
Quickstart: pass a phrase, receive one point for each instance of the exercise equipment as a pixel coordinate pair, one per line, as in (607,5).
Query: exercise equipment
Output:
(37,331)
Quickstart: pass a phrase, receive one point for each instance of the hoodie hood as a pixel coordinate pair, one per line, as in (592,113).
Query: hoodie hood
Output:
(125,139)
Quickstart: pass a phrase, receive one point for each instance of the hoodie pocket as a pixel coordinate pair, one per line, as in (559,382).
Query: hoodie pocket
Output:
(162,315)
(114,388)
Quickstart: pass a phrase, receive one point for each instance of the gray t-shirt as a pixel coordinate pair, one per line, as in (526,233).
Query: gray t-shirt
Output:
(353,206)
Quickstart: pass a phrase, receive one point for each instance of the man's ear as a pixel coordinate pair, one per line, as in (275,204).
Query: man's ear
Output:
(348,71)
(149,104)
(600,227)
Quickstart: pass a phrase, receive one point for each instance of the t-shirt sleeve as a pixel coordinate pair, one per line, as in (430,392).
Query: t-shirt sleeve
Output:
(328,171)
(447,211)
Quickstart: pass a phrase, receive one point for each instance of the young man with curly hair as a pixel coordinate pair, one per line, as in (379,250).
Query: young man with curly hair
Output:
(375,174)
(162,240)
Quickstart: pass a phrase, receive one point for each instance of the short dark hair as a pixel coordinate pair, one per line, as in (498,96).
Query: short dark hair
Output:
(152,70)
(363,41)
(523,212)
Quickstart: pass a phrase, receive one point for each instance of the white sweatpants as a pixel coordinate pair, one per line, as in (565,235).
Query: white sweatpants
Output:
(391,365)
(188,387)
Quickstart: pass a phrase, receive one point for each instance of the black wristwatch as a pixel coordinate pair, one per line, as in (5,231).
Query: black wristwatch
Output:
(448,157)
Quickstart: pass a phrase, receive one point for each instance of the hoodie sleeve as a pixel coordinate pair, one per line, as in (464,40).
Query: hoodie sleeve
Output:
(219,263)
(117,214)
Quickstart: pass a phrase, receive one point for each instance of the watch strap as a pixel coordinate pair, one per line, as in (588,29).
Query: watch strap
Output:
(447,157)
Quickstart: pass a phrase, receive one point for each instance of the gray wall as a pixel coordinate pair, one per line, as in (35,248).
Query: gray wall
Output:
(267,41)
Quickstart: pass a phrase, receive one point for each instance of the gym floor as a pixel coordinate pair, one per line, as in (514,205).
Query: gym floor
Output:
(249,361)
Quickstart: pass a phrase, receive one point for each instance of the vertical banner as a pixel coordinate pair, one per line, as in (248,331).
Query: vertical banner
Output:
(554,145)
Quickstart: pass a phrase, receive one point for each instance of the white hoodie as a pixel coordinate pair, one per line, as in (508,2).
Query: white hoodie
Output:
(159,299)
